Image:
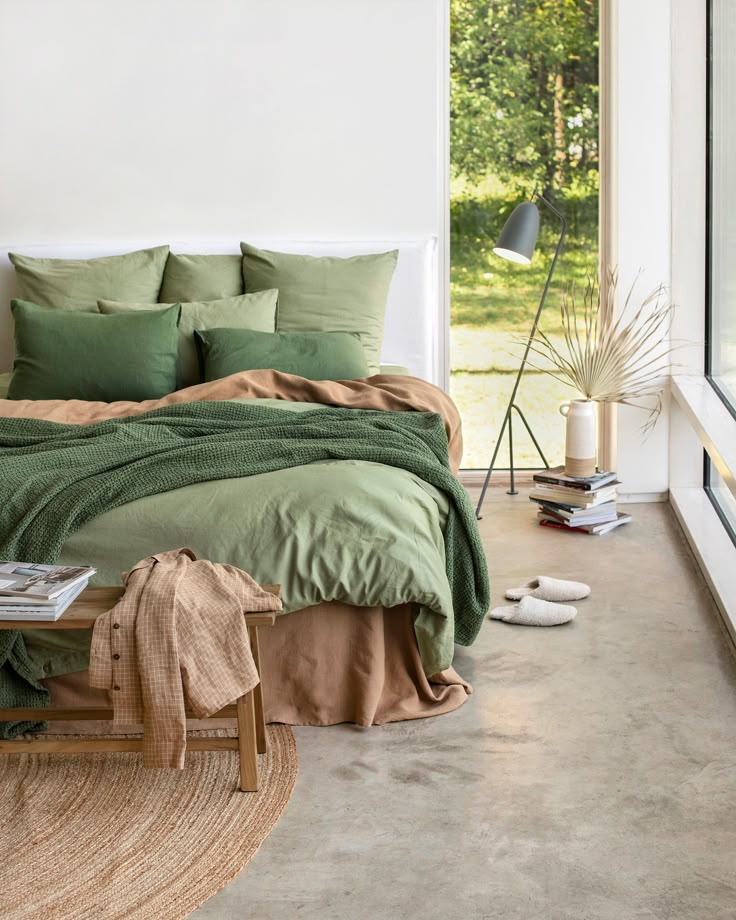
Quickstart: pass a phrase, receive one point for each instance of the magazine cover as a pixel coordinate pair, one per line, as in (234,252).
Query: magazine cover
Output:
(23,579)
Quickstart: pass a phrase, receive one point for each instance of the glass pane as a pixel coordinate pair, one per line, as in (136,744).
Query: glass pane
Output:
(524,116)
(722,229)
(721,496)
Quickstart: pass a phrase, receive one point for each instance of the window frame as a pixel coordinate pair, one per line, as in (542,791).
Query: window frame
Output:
(709,179)
(730,405)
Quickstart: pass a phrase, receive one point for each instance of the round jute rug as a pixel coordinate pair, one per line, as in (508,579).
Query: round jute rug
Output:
(98,837)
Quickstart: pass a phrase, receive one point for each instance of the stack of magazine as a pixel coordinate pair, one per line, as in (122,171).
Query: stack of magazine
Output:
(584,505)
(39,592)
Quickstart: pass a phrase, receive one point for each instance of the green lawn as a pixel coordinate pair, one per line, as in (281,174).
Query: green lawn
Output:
(493,303)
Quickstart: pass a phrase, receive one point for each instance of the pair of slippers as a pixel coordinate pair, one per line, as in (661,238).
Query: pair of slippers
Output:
(541,602)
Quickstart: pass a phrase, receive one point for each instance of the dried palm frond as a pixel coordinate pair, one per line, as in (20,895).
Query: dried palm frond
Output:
(612,359)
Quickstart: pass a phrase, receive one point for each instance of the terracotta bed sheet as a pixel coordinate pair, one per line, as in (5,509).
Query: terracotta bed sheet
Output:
(324,665)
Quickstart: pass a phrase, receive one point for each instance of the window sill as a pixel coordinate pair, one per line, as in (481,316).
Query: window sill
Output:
(712,427)
(711,421)
(712,547)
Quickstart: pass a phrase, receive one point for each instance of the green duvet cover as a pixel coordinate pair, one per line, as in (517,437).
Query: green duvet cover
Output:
(359,532)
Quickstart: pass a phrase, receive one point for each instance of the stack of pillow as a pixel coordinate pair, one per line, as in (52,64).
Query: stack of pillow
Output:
(143,324)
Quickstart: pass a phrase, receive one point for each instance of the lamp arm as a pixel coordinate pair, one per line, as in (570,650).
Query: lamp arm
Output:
(533,332)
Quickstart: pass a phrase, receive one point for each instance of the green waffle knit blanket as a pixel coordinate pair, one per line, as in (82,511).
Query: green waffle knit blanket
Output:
(18,685)
(56,477)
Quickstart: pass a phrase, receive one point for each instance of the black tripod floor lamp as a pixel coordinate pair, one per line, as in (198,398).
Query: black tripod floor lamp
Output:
(516,243)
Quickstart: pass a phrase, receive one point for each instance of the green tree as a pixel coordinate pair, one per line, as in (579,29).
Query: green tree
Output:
(525,91)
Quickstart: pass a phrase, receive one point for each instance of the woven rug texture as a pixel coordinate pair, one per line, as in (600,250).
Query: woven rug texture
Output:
(98,837)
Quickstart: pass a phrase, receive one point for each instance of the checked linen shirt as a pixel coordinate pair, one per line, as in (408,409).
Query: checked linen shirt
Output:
(176,639)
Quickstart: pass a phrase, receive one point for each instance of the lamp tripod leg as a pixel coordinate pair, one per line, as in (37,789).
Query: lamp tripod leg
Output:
(531,435)
(512,490)
(506,419)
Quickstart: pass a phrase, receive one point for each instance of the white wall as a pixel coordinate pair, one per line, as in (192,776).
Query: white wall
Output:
(643,192)
(220,119)
(192,118)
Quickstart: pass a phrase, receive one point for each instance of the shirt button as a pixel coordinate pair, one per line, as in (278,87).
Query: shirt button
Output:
(116,687)
(116,656)
(46,668)
(116,625)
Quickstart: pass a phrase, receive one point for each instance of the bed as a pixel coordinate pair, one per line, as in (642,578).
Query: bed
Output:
(358,546)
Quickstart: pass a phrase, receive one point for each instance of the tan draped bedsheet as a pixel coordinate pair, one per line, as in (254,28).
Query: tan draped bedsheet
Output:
(327,664)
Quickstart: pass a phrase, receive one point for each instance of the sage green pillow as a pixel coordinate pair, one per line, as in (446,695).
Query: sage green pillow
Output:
(77,284)
(326,294)
(249,311)
(208,277)
(314,355)
(64,354)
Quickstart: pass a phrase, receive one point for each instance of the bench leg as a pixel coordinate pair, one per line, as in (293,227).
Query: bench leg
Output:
(247,743)
(261,736)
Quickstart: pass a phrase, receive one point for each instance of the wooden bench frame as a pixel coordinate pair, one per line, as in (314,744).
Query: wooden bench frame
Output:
(251,739)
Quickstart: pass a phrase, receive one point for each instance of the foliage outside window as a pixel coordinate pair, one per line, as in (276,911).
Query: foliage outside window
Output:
(524,109)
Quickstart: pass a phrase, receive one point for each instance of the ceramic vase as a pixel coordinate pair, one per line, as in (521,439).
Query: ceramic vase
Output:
(580,437)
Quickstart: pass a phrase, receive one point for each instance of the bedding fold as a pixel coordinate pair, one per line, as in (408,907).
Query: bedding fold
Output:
(388,392)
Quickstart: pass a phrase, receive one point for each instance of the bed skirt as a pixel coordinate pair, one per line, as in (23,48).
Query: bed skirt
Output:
(323,665)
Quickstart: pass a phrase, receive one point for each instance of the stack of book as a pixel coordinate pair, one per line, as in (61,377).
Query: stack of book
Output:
(39,592)
(584,505)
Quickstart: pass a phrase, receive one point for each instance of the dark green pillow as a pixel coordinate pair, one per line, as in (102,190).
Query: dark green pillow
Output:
(314,355)
(64,354)
(207,277)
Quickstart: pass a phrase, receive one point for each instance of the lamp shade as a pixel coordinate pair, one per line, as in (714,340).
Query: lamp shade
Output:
(519,235)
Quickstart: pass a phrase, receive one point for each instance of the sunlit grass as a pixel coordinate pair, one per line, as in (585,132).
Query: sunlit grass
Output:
(486,290)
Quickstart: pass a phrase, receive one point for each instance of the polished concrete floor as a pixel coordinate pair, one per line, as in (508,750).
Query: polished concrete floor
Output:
(591,776)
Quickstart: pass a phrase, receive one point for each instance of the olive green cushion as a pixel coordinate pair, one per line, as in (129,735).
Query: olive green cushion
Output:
(77,284)
(249,311)
(326,294)
(314,355)
(208,277)
(64,354)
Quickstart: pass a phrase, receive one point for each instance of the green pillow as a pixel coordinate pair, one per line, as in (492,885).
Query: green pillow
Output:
(326,294)
(314,355)
(77,284)
(63,354)
(249,311)
(210,277)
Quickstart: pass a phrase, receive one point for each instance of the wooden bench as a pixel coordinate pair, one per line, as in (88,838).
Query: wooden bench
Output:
(248,710)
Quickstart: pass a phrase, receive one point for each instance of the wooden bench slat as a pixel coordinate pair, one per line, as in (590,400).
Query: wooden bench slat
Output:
(93,602)
(116,745)
(57,714)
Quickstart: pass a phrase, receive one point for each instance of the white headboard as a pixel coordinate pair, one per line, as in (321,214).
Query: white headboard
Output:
(412,317)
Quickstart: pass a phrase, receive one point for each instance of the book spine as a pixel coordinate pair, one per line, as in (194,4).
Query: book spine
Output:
(554,481)
(555,526)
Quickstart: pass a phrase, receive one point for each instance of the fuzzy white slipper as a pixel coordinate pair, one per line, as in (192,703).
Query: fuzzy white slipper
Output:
(533,611)
(550,589)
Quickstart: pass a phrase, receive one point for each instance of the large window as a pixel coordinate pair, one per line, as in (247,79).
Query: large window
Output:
(524,115)
(720,361)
